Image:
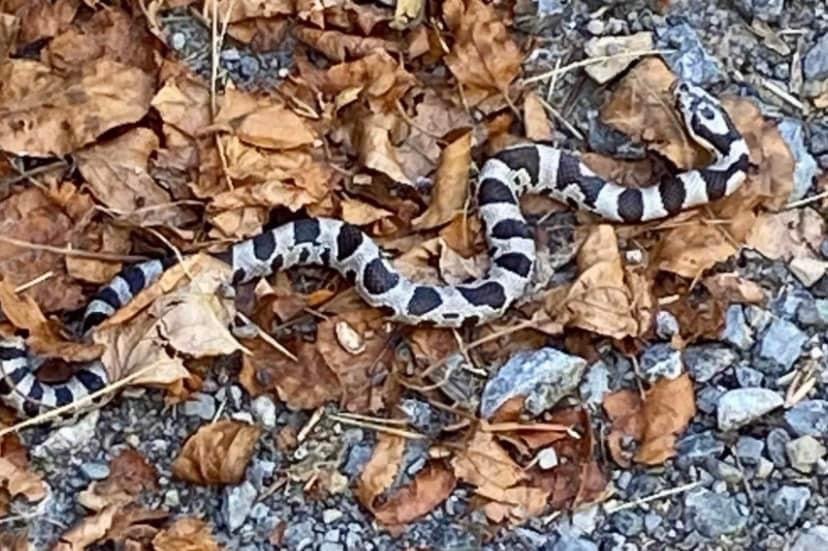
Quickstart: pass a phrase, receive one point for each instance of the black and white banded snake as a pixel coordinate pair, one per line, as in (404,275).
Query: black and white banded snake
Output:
(525,168)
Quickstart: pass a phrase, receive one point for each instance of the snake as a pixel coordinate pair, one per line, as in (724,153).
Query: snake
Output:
(533,167)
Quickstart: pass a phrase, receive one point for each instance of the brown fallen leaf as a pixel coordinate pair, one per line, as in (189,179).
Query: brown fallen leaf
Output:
(44,19)
(338,46)
(218,453)
(483,58)
(263,122)
(302,385)
(360,364)
(127,527)
(535,119)
(654,422)
(379,473)
(117,174)
(734,288)
(16,477)
(186,534)
(45,114)
(49,218)
(130,474)
(431,486)
(451,185)
(599,300)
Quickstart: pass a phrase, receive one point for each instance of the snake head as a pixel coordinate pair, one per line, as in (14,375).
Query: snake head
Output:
(705,120)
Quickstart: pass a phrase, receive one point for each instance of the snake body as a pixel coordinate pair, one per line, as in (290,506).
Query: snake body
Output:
(525,168)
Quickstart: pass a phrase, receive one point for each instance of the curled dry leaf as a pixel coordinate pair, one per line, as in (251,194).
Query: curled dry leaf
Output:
(302,385)
(378,77)
(19,480)
(172,318)
(124,526)
(47,218)
(376,150)
(599,299)
(44,19)
(130,474)
(734,288)
(483,58)
(431,486)
(654,421)
(117,174)
(217,453)
(357,373)
(788,234)
(486,465)
(186,534)
(45,114)
(263,122)
(535,119)
(338,46)
(451,185)
(381,470)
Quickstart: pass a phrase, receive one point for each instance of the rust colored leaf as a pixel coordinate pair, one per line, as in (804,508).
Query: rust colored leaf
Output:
(451,185)
(17,478)
(381,470)
(432,485)
(483,58)
(117,174)
(44,19)
(654,422)
(599,300)
(44,114)
(36,216)
(263,122)
(217,453)
(535,119)
(186,534)
(359,367)
(339,46)
(124,526)
(303,385)
(130,474)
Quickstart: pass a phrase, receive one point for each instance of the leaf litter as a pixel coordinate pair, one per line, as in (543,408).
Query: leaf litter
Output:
(386,134)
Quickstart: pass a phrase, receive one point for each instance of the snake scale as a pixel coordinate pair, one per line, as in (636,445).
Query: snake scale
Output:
(514,171)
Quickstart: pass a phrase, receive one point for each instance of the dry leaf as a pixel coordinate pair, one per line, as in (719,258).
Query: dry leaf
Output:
(483,58)
(431,486)
(535,120)
(117,174)
(130,474)
(451,185)
(599,300)
(654,422)
(44,114)
(186,534)
(19,480)
(302,385)
(217,453)
(262,122)
(358,374)
(381,470)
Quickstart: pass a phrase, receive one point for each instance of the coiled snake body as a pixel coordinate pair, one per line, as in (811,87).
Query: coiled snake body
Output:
(527,168)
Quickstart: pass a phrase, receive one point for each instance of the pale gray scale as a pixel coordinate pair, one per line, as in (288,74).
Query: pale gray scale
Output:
(245,259)
(695,189)
(152,270)
(98,305)
(10,366)
(121,288)
(48,400)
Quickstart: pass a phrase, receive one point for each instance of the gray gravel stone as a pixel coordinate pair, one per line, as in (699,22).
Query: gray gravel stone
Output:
(595,384)
(725,471)
(200,405)
(777,441)
(737,331)
(628,522)
(814,538)
(815,63)
(743,406)
(749,377)
(766,10)
(660,361)
(787,504)
(782,343)
(690,61)
(666,324)
(95,471)
(804,453)
(749,450)
(69,438)
(713,515)
(793,132)
(264,411)
(652,521)
(808,417)
(544,376)
(701,445)
(570,543)
(238,500)
(813,313)
(549,7)
(705,361)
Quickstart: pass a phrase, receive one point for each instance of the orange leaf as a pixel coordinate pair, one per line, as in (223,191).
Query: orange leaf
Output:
(217,453)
